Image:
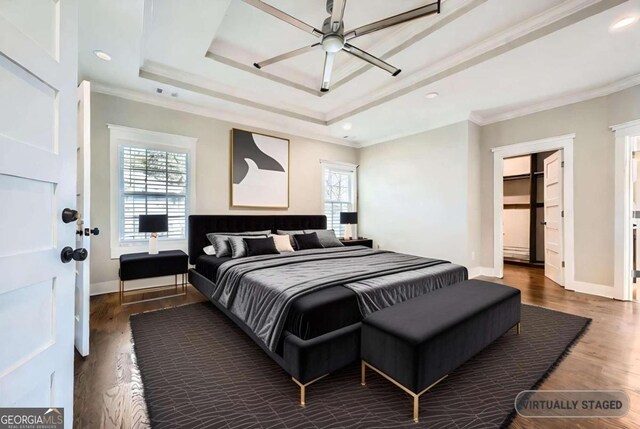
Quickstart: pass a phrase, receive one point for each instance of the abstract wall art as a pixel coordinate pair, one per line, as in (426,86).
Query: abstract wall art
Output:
(259,171)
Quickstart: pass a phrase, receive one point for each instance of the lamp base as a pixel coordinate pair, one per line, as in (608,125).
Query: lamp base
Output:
(153,244)
(348,235)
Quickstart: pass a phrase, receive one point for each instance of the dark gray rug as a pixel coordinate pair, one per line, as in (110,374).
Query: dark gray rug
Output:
(200,371)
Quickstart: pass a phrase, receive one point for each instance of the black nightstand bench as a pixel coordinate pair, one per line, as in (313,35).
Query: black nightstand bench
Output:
(358,242)
(135,266)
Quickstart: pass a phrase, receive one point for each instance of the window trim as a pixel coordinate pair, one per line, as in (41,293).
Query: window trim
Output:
(342,166)
(133,137)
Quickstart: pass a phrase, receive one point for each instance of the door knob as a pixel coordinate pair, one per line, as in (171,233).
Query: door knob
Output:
(94,231)
(68,254)
(70,215)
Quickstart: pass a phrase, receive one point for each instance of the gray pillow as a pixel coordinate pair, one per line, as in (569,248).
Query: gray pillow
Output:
(238,248)
(290,233)
(327,237)
(220,240)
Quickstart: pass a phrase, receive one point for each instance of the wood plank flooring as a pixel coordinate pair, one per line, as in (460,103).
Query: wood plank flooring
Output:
(108,393)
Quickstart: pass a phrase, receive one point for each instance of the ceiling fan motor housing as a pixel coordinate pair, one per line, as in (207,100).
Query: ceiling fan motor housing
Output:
(332,42)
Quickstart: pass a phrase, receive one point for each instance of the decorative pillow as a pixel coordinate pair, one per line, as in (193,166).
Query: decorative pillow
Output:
(260,246)
(220,240)
(307,241)
(290,234)
(283,243)
(327,237)
(209,250)
(238,248)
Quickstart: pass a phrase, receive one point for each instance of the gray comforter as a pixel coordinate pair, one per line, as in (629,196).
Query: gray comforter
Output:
(259,290)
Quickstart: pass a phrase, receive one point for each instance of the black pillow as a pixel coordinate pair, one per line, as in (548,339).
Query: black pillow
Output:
(260,246)
(307,241)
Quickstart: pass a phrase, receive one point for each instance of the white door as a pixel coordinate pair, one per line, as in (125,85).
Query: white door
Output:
(553,218)
(85,230)
(38,78)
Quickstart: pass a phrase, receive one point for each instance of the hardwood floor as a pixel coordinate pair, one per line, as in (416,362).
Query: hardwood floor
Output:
(107,392)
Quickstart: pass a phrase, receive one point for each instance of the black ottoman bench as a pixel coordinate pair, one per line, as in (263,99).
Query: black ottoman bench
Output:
(417,343)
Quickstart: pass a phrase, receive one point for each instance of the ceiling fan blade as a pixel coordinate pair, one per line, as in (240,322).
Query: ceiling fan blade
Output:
(285,56)
(429,9)
(337,14)
(359,53)
(284,17)
(328,68)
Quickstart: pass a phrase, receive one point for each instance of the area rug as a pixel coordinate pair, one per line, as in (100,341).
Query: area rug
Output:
(201,371)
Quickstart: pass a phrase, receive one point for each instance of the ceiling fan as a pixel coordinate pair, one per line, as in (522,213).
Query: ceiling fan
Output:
(333,37)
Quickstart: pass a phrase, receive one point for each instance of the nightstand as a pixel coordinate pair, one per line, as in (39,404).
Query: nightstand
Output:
(135,266)
(358,242)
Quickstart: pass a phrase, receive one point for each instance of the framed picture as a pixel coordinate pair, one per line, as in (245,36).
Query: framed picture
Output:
(259,170)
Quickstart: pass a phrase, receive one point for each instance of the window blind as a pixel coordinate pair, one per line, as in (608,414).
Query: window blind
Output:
(152,182)
(338,197)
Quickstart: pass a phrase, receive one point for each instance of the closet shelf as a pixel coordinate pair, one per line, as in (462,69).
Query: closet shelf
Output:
(517,177)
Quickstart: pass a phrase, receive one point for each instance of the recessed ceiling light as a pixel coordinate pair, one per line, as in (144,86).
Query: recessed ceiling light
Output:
(102,55)
(347,126)
(624,22)
(432,95)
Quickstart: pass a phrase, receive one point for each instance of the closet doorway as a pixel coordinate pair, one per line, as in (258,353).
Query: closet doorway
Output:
(557,239)
(532,212)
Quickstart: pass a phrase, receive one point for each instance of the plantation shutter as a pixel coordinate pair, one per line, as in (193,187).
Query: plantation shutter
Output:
(152,182)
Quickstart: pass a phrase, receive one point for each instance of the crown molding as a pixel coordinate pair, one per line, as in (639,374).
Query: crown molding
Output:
(222,115)
(182,79)
(555,102)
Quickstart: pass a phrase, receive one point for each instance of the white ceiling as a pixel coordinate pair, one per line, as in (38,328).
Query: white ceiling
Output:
(486,58)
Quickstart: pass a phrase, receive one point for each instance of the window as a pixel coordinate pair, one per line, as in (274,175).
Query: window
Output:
(339,194)
(152,182)
(151,173)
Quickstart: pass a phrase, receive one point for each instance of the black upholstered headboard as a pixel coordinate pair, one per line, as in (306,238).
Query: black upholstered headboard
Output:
(201,225)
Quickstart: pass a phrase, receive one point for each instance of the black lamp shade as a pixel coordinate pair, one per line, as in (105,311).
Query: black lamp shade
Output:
(153,223)
(349,218)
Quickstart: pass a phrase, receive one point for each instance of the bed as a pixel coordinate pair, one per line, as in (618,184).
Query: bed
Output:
(304,309)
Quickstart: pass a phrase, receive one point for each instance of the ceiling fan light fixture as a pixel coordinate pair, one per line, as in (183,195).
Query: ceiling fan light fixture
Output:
(333,43)
(432,95)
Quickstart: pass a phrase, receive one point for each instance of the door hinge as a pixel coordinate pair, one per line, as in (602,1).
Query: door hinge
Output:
(562,213)
(562,164)
(562,264)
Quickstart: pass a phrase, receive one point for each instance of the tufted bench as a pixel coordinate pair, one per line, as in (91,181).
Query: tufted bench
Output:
(417,343)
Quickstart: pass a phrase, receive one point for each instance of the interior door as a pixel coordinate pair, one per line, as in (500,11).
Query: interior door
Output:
(553,218)
(84,229)
(38,78)
(635,217)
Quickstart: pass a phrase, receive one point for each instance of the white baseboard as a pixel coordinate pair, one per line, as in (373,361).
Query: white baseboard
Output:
(594,289)
(114,285)
(481,271)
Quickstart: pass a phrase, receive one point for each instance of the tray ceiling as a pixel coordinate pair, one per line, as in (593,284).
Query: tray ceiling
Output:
(484,57)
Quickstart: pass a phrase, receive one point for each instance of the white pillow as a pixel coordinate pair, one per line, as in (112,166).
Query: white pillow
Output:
(209,250)
(283,244)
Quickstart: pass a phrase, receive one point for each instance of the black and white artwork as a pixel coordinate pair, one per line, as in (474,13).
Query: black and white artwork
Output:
(259,170)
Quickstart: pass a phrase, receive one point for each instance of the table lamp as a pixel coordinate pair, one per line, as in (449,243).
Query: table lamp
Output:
(348,218)
(153,224)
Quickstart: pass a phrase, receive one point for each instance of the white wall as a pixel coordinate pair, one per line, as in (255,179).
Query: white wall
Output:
(419,194)
(593,173)
(212,168)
